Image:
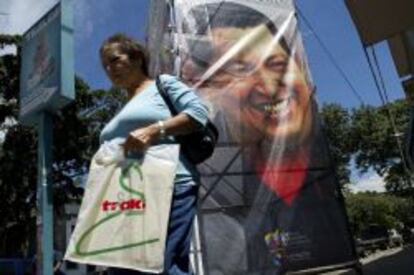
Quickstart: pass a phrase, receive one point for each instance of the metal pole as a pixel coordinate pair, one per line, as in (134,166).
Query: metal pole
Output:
(196,254)
(45,260)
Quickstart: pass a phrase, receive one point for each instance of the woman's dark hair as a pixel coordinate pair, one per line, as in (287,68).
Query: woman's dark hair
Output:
(131,47)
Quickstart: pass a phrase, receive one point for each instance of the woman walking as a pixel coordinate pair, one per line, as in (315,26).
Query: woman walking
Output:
(146,120)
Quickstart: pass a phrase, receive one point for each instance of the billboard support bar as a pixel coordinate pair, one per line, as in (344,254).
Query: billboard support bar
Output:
(45,261)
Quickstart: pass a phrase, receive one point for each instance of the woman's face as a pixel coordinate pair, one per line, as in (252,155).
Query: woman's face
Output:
(256,84)
(120,68)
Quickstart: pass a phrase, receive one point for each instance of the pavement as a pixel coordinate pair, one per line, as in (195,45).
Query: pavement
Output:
(394,261)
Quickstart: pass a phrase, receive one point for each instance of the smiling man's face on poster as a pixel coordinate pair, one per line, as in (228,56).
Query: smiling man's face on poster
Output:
(256,83)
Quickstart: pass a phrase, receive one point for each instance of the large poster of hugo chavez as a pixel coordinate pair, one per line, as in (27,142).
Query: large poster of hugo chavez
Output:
(273,200)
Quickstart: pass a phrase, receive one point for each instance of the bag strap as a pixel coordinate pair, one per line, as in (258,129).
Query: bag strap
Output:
(165,95)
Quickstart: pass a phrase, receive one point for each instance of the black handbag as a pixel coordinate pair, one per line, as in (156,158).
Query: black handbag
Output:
(196,146)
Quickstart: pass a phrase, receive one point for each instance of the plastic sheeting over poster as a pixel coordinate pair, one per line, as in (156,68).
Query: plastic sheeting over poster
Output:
(270,200)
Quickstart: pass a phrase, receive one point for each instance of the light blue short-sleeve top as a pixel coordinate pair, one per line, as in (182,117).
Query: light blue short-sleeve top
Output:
(148,107)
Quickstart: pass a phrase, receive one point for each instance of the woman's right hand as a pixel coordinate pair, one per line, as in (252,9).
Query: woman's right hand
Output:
(139,140)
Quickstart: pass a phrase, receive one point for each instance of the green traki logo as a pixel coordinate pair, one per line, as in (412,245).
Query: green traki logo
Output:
(132,207)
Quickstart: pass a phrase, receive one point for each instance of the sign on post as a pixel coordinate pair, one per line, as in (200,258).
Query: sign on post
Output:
(47,71)
(46,85)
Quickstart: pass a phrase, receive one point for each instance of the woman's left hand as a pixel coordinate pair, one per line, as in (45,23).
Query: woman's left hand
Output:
(140,139)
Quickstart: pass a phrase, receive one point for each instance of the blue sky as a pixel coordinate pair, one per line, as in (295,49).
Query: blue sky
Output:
(333,24)
(97,19)
(329,19)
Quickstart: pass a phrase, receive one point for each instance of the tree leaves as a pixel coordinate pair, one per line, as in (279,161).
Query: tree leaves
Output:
(377,145)
(374,208)
(337,128)
(368,135)
(75,139)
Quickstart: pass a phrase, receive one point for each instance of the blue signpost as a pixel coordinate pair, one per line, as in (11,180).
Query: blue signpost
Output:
(44,156)
(46,85)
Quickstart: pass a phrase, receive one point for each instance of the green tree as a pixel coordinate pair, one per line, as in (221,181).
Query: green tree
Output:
(18,170)
(338,130)
(17,160)
(377,144)
(76,130)
(387,210)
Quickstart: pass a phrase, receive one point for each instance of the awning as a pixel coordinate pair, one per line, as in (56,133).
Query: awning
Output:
(377,20)
(402,50)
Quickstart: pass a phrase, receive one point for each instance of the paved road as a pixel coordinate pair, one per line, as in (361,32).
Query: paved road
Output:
(397,261)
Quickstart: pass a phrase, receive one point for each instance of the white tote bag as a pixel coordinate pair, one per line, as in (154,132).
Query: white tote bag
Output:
(123,219)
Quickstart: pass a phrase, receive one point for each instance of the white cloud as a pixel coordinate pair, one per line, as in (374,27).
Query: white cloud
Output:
(371,182)
(17,16)
(8,50)
(3,128)
(21,14)
(83,23)
(89,15)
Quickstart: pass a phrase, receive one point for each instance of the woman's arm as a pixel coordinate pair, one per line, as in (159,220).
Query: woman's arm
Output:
(140,139)
(192,113)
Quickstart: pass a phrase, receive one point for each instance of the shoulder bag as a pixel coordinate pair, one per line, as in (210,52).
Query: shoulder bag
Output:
(196,146)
